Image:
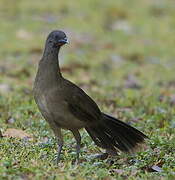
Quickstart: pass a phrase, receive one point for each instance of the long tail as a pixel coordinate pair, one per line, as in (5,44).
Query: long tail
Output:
(113,134)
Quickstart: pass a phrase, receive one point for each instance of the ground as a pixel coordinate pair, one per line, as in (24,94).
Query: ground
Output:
(121,53)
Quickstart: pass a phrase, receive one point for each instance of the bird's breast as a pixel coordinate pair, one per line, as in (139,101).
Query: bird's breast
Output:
(56,109)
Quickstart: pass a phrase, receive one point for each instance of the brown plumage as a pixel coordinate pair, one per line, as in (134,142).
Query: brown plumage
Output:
(65,106)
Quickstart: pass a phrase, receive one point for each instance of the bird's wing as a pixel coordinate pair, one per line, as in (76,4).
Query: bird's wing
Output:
(81,105)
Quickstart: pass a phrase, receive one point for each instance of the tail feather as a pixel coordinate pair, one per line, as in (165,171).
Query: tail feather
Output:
(114,134)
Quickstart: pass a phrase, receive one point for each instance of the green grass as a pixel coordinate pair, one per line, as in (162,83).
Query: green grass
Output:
(121,53)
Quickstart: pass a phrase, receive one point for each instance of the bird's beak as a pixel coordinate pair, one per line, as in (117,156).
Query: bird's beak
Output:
(63,41)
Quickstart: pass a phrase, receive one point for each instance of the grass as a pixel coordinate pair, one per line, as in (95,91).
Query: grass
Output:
(121,53)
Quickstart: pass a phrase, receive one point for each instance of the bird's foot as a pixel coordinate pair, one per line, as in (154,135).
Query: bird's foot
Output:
(101,156)
(76,162)
(56,161)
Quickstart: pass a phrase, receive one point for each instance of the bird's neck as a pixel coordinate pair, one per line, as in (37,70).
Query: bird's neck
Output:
(49,70)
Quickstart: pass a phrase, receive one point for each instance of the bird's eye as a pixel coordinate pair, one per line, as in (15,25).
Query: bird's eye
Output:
(56,37)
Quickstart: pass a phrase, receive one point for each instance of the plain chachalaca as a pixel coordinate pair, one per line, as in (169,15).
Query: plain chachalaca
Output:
(65,106)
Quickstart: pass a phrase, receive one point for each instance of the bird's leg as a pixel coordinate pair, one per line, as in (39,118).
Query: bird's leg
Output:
(60,145)
(59,136)
(78,140)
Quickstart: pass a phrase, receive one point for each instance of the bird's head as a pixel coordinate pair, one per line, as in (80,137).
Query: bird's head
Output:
(57,39)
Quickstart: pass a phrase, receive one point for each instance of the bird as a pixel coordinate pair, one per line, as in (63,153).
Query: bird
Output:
(66,106)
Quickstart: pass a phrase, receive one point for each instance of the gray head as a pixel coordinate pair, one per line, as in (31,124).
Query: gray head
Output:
(56,39)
